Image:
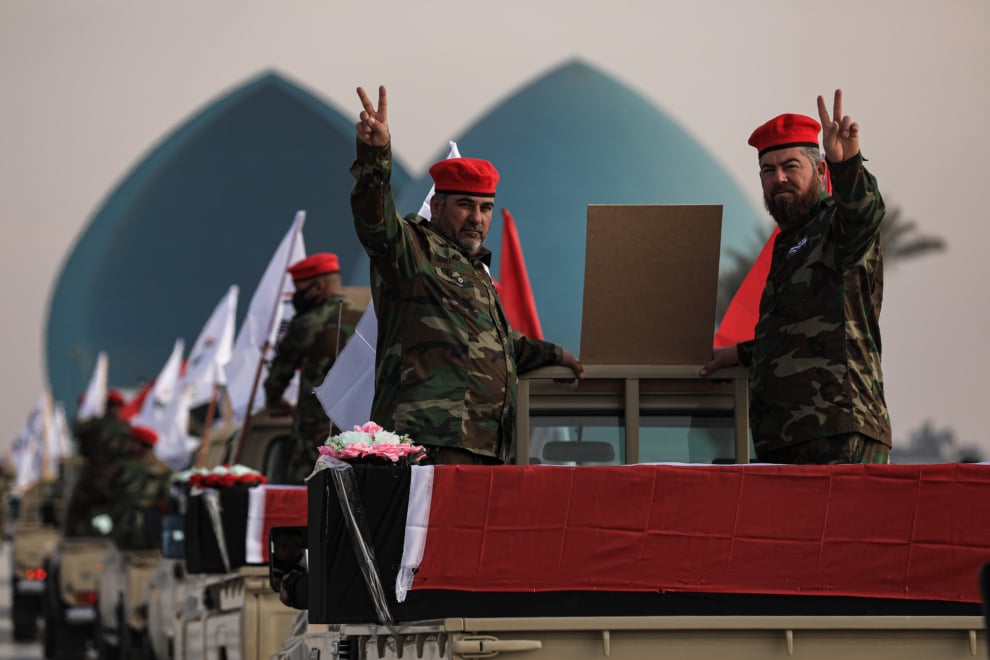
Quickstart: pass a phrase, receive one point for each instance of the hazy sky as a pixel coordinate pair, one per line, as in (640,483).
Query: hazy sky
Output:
(88,89)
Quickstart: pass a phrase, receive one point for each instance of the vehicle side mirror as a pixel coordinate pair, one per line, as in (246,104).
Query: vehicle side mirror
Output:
(287,552)
(174,536)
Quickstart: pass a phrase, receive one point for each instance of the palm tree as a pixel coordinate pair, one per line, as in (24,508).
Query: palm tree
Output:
(900,239)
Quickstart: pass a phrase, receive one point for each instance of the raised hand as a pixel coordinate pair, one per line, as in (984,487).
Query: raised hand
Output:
(840,135)
(373,127)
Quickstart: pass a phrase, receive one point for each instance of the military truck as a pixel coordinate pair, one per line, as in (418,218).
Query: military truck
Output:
(128,587)
(34,533)
(73,570)
(196,609)
(648,415)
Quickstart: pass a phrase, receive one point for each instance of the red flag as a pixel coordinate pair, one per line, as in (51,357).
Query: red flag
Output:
(132,407)
(739,322)
(513,286)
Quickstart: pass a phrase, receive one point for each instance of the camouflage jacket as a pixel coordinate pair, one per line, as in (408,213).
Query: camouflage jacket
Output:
(815,359)
(102,443)
(311,344)
(447,360)
(142,483)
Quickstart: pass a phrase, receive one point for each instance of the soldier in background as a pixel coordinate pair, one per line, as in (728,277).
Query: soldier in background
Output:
(323,323)
(140,493)
(816,388)
(447,360)
(101,444)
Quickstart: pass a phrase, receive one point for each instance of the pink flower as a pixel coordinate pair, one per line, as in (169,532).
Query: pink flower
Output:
(369,427)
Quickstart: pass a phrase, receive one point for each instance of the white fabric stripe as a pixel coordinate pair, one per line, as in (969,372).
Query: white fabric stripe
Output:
(417,523)
(255,525)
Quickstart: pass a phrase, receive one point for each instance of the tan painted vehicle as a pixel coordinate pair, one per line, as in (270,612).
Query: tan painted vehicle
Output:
(618,414)
(197,609)
(34,533)
(72,582)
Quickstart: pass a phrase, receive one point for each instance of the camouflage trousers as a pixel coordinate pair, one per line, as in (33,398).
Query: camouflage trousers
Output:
(833,450)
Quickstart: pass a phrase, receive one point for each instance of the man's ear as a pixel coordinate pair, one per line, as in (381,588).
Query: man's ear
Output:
(434,205)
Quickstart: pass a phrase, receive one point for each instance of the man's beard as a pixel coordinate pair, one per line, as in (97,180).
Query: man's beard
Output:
(471,245)
(796,211)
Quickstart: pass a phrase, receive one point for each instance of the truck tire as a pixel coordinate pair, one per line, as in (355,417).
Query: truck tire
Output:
(24,616)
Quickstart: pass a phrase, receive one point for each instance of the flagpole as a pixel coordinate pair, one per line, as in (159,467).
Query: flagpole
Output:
(210,413)
(246,426)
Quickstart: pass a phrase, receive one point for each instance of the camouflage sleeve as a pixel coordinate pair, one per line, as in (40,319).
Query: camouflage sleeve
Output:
(288,356)
(534,353)
(859,206)
(378,224)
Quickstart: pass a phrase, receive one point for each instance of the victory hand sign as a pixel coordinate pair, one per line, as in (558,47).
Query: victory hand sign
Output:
(840,135)
(373,127)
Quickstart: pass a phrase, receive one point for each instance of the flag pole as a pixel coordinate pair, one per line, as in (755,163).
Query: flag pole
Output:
(207,423)
(246,426)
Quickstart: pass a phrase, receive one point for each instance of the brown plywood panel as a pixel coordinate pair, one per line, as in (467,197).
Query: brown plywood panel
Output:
(650,282)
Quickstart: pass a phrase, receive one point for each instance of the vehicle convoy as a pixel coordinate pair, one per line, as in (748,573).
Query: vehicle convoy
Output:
(34,533)
(196,606)
(745,560)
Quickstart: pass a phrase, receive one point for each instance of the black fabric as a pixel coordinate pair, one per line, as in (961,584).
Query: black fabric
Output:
(202,552)
(337,591)
(338,594)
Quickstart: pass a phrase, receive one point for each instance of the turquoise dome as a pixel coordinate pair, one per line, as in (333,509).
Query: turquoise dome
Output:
(575,137)
(205,209)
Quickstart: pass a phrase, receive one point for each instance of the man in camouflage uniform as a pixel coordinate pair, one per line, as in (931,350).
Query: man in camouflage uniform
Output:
(323,323)
(139,492)
(447,360)
(101,445)
(816,388)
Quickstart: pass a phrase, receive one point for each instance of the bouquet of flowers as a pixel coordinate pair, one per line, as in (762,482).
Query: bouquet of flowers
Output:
(370,444)
(222,476)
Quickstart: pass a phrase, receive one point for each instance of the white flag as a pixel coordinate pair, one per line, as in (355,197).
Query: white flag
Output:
(94,400)
(424,210)
(204,367)
(162,390)
(175,447)
(62,440)
(28,450)
(270,309)
(347,391)
(349,386)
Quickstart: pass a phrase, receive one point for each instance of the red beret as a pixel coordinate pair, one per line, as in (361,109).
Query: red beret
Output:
(786,131)
(464,176)
(320,263)
(115,398)
(144,435)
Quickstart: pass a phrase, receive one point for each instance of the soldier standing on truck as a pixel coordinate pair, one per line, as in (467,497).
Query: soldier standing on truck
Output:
(816,388)
(447,360)
(101,443)
(323,323)
(140,493)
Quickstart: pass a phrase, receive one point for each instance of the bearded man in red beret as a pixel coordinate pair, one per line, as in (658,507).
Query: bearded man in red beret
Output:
(816,387)
(447,359)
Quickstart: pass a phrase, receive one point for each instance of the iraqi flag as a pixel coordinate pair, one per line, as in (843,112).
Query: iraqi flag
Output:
(738,529)
(272,506)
